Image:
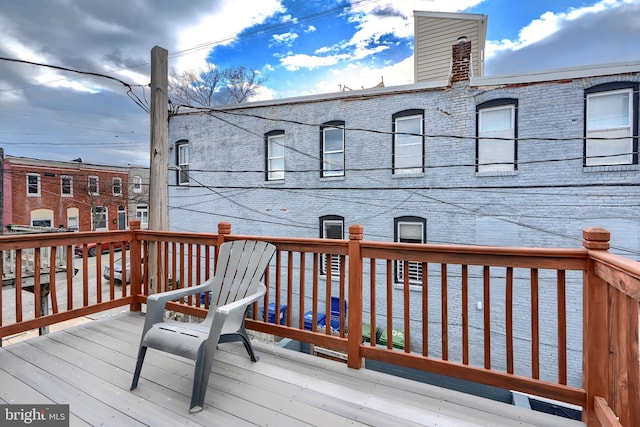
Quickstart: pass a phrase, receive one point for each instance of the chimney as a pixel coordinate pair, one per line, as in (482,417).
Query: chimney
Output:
(461,60)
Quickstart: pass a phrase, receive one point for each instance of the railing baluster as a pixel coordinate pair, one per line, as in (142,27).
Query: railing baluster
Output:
(562,327)
(37,286)
(278,286)
(70,268)
(343,320)
(390,298)
(18,281)
(198,272)
(52,280)
(290,274)
(314,297)
(174,266)
(303,263)
(85,274)
(487,317)
(444,311)
(509,318)
(372,303)
(465,314)
(425,309)
(327,296)
(535,325)
(406,291)
(190,271)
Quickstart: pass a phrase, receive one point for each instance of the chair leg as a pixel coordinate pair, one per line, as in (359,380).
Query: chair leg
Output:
(247,345)
(204,362)
(136,374)
(240,335)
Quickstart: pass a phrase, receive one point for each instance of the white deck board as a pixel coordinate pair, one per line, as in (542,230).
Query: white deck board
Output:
(90,367)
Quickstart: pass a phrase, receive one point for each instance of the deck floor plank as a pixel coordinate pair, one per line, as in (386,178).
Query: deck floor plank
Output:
(90,367)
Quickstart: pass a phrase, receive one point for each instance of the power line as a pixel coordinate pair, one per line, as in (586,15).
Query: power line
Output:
(273,28)
(212,110)
(412,190)
(130,93)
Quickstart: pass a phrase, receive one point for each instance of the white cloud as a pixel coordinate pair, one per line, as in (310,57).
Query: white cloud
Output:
(373,21)
(57,80)
(263,93)
(548,24)
(301,60)
(311,29)
(215,28)
(285,38)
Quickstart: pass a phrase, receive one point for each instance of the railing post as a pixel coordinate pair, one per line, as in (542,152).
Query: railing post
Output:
(224,229)
(595,342)
(135,255)
(355,297)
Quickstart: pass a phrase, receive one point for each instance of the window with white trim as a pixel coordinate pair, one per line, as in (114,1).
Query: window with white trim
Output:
(117,186)
(137,184)
(409,229)
(93,185)
(183,162)
(142,213)
(408,142)
(496,131)
(275,155)
(33,184)
(611,124)
(331,227)
(99,215)
(66,186)
(42,218)
(332,148)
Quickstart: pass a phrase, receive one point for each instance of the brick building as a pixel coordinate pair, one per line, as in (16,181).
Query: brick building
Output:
(514,160)
(73,195)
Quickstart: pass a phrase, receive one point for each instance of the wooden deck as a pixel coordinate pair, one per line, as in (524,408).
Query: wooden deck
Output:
(90,366)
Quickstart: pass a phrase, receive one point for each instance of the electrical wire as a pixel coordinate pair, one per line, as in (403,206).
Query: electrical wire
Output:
(129,86)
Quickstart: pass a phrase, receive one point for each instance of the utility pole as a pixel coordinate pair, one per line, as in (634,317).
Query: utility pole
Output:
(158,188)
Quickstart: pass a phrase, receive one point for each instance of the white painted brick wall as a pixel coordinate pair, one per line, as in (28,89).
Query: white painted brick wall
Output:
(549,204)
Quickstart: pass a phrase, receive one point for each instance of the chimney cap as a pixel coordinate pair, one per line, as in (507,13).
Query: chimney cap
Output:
(462,39)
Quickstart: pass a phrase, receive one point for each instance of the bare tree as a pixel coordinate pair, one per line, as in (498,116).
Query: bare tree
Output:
(212,86)
(195,87)
(241,84)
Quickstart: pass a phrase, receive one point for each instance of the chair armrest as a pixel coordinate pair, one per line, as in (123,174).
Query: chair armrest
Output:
(163,297)
(156,303)
(241,304)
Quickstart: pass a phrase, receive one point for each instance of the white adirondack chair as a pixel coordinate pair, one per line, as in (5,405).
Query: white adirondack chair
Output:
(236,284)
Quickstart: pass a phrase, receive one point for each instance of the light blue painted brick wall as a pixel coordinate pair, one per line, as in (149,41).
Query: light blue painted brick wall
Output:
(546,203)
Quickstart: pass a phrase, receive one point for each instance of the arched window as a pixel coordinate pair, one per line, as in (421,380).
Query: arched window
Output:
(408,142)
(409,229)
(611,124)
(332,148)
(274,150)
(496,131)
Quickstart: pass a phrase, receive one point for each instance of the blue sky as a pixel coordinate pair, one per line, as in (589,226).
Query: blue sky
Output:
(301,47)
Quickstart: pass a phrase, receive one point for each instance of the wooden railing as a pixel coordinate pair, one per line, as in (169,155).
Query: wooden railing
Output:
(461,309)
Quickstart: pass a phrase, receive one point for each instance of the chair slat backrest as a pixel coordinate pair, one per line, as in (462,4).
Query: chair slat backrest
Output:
(239,267)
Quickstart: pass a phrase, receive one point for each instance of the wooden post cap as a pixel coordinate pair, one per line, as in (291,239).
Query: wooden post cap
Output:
(224,227)
(596,238)
(356,231)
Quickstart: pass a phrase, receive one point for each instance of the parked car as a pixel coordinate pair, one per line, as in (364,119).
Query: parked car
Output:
(117,271)
(92,248)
